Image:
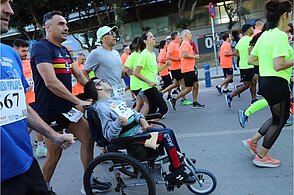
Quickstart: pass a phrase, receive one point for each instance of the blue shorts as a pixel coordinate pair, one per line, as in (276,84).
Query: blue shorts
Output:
(127,81)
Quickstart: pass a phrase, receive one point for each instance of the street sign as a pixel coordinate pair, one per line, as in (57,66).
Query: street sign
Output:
(211,10)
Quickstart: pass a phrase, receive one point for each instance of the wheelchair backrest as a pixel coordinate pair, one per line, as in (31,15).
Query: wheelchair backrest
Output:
(95,126)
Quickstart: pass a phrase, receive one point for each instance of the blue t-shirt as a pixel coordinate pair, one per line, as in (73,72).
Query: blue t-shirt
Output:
(16,149)
(47,103)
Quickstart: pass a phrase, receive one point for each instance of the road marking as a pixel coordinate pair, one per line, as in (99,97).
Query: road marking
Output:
(229,132)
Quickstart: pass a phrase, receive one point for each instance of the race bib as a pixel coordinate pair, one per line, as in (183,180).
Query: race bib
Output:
(73,115)
(12,101)
(121,109)
(73,81)
(118,91)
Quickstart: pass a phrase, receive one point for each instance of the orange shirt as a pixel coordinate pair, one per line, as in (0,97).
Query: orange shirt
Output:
(77,88)
(27,71)
(225,61)
(161,61)
(124,57)
(187,64)
(173,50)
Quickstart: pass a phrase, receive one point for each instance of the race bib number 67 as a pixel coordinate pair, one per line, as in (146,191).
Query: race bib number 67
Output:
(12,101)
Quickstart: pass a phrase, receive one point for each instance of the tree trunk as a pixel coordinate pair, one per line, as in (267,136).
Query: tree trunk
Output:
(138,15)
(193,9)
(96,11)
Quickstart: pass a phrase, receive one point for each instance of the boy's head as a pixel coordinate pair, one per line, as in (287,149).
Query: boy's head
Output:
(94,85)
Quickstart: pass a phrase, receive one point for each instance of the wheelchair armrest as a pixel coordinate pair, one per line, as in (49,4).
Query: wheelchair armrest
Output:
(142,136)
(157,123)
(153,116)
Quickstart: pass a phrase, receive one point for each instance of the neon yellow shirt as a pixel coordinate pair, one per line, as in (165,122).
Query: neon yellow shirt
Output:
(132,62)
(272,44)
(149,68)
(242,47)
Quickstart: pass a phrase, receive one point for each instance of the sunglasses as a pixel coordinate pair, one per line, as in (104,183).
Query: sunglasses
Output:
(109,33)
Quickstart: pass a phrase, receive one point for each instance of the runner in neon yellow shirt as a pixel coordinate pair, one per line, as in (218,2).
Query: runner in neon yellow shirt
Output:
(275,58)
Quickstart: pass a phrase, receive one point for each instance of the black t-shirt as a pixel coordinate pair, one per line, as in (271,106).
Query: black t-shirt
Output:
(47,103)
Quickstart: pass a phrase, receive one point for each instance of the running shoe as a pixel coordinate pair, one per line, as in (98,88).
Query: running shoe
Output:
(227,91)
(35,142)
(266,161)
(289,121)
(98,186)
(219,89)
(172,103)
(250,146)
(197,105)
(175,92)
(252,101)
(185,102)
(242,118)
(228,100)
(51,192)
(181,177)
(41,152)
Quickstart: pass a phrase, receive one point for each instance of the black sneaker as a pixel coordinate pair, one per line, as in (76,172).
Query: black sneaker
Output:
(183,178)
(253,101)
(197,105)
(175,92)
(51,192)
(219,89)
(98,186)
(172,103)
(227,91)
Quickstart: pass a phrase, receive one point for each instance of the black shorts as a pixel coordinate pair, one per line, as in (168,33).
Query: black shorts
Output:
(136,91)
(190,78)
(31,182)
(256,70)
(176,74)
(58,122)
(247,74)
(166,81)
(227,71)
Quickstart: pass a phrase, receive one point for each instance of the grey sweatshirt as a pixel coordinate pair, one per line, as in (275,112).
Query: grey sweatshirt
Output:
(111,126)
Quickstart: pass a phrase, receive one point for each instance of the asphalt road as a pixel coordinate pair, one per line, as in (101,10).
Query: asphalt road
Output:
(213,136)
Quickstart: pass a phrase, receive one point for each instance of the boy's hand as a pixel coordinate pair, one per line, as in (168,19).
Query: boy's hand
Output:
(124,121)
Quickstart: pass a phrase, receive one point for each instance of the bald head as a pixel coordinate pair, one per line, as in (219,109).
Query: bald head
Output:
(258,25)
(186,35)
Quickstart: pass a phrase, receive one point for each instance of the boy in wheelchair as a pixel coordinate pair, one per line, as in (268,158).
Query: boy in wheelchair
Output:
(117,121)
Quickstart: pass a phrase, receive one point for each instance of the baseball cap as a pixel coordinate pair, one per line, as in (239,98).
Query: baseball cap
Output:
(245,27)
(104,30)
(168,38)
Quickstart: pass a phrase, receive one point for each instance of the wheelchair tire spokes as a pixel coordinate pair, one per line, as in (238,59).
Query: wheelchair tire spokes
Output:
(115,172)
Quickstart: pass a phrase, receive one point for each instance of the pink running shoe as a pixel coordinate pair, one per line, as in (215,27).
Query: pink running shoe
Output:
(266,161)
(250,146)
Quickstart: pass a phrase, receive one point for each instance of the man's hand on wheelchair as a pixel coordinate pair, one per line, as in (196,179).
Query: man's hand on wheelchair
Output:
(144,124)
(124,121)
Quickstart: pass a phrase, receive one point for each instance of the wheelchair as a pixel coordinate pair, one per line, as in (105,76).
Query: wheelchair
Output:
(132,169)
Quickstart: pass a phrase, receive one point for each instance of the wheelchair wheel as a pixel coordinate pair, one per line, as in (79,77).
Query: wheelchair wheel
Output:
(108,168)
(205,182)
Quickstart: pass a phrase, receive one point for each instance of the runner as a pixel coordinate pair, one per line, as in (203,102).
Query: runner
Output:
(188,59)
(173,54)
(146,71)
(20,172)
(246,70)
(77,88)
(52,67)
(275,66)
(105,61)
(22,48)
(161,59)
(226,57)
(135,83)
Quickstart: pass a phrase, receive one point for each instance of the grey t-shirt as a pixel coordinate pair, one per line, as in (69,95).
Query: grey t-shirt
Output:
(106,65)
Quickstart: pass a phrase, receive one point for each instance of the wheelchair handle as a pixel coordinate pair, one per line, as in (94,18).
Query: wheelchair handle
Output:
(153,116)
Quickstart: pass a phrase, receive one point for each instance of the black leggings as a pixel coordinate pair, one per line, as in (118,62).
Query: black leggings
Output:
(276,92)
(155,101)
